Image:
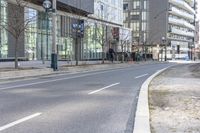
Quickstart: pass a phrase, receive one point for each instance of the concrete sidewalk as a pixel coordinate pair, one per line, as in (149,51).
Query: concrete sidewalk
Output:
(36,68)
(47,64)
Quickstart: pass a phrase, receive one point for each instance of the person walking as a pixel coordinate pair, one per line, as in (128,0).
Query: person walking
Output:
(126,56)
(111,54)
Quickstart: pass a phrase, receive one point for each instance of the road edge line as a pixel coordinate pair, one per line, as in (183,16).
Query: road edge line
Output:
(142,123)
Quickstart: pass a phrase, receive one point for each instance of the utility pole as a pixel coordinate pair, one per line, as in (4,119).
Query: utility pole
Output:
(78,40)
(141,33)
(195,31)
(47,28)
(54,56)
(167,30)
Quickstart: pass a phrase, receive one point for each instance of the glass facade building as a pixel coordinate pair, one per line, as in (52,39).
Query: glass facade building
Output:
(38,34)
(109,10)
(3,33)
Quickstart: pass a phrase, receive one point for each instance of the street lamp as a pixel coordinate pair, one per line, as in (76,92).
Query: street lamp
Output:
(164,42)
(158,49)
(47,5)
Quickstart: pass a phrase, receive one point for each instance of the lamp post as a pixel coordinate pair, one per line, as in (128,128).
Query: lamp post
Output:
(164,42)
(158,49)
(54,56)
(192,46)
(47,5)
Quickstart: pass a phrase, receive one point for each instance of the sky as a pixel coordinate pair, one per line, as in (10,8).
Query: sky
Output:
(198,10)
(198,15)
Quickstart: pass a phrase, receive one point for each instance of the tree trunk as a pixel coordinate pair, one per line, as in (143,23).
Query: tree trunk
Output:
(103,44)
(76,50)
(16,53)
(103,55)
(122,54)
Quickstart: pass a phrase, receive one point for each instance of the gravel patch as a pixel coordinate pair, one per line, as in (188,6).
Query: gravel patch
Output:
(174,99)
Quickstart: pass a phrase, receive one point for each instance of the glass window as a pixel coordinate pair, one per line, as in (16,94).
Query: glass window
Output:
(145,5)
(31,34)
(144,16)
(92,42)
(136,5)
(125,6)
(144,26)
(3,34)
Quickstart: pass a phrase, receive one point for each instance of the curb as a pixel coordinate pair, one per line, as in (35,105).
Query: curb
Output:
(142,124)
(17,74)
(21,74)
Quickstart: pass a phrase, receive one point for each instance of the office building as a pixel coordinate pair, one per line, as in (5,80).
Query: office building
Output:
(35,42)
(136,18)
(167,25)
(172,25)
(110,12)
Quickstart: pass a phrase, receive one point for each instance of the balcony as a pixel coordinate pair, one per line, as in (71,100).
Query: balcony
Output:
(191,2)
(183,5)
(176,39)
(179,13)
(180,22)
(181,32)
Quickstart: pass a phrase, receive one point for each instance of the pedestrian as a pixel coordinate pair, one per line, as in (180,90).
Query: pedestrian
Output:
(111,54)
(126,56)
(133,56)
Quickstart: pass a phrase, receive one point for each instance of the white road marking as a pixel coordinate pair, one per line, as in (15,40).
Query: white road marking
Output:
(141,76)
(102,88)
(19,121)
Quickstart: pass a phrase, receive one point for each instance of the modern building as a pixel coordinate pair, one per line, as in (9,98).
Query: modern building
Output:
(35,42)
(110,12)
(174,21)
(136,18)
(197,45)
(168,25)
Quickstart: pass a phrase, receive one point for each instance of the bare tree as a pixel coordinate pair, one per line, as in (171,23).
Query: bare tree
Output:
(16,22)
(124,38)
(101,38)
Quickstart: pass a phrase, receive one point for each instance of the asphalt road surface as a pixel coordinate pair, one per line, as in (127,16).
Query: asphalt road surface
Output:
(89,102)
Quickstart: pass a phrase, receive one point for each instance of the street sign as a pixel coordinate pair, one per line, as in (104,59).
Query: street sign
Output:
(77,28)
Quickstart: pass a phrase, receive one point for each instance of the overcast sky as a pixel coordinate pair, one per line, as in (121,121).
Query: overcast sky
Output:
(198,15)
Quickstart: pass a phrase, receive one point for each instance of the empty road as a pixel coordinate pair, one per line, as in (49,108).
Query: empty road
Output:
(101,101)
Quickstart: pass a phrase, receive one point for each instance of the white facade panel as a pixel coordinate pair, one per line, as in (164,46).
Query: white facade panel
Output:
(177,12)
(182,4)
(109,10)
(181,32)
(181,23)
